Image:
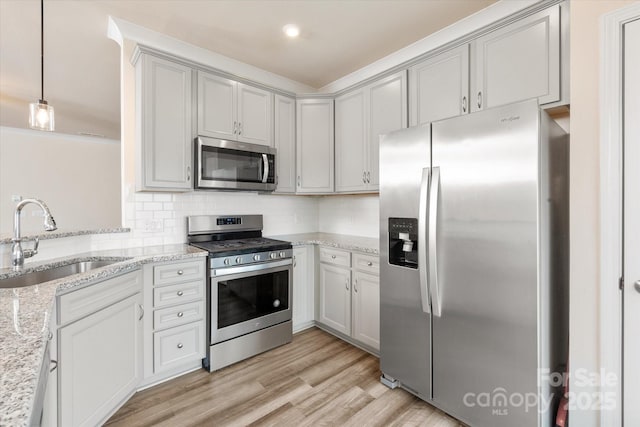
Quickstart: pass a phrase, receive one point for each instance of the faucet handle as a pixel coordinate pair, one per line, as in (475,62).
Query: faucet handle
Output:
(28,253)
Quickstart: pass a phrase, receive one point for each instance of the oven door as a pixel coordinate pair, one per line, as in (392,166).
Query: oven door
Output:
(231,165)
(250,298)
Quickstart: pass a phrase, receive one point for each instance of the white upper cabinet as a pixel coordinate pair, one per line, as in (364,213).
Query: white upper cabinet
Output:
(518,62)
(351,139)
(440,86)
(361,117)
(387,112)
(164,109)
(231,110)
(314,146)
(285,144)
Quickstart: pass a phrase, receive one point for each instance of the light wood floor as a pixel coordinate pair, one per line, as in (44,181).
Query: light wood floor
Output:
(316,380)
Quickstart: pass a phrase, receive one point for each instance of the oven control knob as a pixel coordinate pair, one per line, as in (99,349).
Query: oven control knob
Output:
(256,257)
(276,303)
(283,254)
(227,261)
(238,260)
(273,255)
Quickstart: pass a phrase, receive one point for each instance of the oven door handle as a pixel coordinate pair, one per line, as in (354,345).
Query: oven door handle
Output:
(226,271)
(265,169)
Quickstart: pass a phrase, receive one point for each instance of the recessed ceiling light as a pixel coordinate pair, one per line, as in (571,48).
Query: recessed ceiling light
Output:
(291,30)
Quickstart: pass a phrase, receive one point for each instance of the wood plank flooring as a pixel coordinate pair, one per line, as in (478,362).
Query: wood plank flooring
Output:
(317,380)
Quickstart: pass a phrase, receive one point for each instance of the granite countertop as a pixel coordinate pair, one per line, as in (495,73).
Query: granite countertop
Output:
(368,245)
(25,314)
(44,235)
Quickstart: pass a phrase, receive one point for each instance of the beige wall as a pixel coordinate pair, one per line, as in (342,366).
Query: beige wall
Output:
(585,192)
(78,177)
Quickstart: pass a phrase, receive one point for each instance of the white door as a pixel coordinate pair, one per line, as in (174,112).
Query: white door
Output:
(335,298)
(285,143)
(255,115)
(350,134)
(216,106)
(303,289)
(314,146)
(439,86)
(631,238)
(387,112)
(366,309)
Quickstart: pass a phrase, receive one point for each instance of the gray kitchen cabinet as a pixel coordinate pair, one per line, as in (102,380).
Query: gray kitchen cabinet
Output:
(440,86)
(229,109)
(164,110)
(349,295)
(517,62)
(100,349)
(175,328)
(314,146)
(303,287)
(362,116)
(285,143)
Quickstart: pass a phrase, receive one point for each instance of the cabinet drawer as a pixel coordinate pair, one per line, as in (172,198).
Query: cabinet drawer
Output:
(335,256)
(178,294)
(169,274)
(88,300)
(366,263)
(177,346)
(178,315)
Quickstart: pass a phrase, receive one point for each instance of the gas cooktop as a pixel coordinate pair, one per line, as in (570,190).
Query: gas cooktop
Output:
(219,248)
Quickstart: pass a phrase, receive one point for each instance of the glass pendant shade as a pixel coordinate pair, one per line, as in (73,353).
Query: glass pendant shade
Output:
(41,116)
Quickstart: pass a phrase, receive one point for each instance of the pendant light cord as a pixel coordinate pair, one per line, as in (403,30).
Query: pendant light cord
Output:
(42,49)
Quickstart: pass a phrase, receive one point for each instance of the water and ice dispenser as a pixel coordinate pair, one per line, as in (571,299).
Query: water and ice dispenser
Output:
(403,242)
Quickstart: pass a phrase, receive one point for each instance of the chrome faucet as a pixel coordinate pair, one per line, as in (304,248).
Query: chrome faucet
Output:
(17,253)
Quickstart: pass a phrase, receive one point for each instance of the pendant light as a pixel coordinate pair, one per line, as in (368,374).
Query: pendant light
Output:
(41,113)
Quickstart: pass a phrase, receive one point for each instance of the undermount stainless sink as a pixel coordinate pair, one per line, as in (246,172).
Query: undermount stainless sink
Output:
(37,277)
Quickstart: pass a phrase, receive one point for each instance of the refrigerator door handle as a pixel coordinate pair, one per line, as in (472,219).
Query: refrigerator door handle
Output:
(434,193)
(422,240)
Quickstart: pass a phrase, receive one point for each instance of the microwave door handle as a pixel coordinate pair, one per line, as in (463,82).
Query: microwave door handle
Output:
(265,169)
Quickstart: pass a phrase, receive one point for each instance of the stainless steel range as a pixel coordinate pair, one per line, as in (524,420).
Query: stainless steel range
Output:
(249,291)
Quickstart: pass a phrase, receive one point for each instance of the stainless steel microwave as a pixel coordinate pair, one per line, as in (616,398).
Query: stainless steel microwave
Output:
(233,165)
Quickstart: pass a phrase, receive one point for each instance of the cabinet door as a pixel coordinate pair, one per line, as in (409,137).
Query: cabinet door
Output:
(166,135)
(303,288)
(387,112)
(314,146)
(217,107)
(439,86)
(100,362)
(518,62)
(285,143)
(351,136)
(335,298)
(366,309)
(255,115)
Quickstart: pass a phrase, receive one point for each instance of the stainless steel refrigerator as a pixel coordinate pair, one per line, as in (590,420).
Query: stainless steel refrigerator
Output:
(474,264)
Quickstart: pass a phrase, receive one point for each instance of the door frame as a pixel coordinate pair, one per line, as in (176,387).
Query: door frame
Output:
(611,179)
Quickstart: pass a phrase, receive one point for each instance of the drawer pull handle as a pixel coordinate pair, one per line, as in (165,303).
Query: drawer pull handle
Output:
(180,272)
(180,293)
(333,257)
(180,345)
(369,263)
(180,314)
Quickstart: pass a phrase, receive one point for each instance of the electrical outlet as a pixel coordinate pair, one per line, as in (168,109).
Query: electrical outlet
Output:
(153,225)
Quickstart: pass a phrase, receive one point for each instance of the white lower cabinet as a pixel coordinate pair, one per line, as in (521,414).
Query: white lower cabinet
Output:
(303,288)
(349,295)
(100,354)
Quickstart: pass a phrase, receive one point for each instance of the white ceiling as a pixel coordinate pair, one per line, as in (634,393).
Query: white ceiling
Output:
(82,64)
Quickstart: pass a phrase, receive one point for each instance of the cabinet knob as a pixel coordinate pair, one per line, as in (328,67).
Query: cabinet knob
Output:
(180,293)
(180,314)
(369,263)
(333,257)
(180,345)
(180,272)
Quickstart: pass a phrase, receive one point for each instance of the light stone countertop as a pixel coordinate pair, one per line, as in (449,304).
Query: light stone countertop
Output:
(368,245)
(6,238)
(25,314)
